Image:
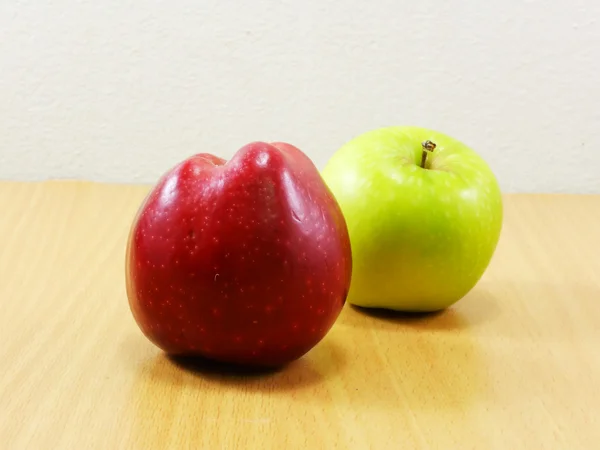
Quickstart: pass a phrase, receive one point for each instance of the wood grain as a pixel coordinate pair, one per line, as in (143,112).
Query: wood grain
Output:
(515,364)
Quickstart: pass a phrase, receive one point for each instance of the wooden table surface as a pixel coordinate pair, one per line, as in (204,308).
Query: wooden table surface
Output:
(514,365)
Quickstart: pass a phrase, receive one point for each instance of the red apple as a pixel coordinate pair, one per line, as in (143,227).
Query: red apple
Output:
(246,261)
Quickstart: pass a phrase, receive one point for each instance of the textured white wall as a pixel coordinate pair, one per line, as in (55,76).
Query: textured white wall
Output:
(119,90)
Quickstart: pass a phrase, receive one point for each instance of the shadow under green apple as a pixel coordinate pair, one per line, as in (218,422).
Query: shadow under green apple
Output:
(478,307)
(419,362)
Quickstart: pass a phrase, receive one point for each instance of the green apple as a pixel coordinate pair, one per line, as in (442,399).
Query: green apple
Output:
(424,213)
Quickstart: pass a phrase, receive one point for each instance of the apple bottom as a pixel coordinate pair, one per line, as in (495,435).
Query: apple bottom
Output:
(247,357)
(269,350)
(254,355)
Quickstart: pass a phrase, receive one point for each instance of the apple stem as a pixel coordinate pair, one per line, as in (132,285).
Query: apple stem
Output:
(428,147)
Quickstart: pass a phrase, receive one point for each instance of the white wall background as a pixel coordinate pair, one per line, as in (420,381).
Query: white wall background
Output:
(119,91)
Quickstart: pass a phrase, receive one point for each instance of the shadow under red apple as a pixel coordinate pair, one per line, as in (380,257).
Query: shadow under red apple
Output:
(323,360)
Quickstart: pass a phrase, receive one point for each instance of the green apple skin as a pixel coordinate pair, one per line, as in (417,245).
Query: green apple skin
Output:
(421,238)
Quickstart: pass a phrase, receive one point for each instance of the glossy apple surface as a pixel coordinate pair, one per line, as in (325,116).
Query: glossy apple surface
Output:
(421,237)
(246,261)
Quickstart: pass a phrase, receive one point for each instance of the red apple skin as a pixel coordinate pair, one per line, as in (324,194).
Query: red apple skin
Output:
(246,262)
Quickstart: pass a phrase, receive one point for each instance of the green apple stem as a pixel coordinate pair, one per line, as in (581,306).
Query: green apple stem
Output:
(428,147)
